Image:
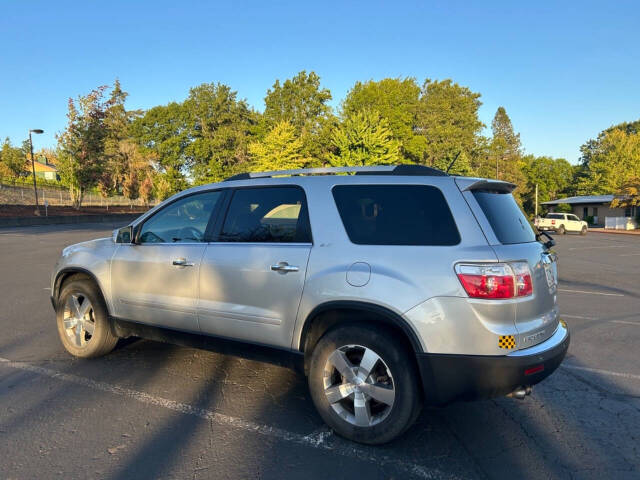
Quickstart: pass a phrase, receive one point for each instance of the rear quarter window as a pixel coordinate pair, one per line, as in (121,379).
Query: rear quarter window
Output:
(505,217)
(396,215)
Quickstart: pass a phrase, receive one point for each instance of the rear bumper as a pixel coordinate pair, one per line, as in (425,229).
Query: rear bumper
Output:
(447,378)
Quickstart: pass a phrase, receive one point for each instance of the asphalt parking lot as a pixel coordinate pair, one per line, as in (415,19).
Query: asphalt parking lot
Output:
(153,410)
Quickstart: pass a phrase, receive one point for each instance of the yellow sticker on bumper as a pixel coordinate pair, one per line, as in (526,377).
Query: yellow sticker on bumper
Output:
(507,342)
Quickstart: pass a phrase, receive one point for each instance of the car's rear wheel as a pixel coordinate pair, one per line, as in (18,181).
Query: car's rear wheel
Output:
(83,323)
(583,231)
(561,230)
(364,384)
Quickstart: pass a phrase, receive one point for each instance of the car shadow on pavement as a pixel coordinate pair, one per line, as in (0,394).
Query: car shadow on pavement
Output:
(574,425)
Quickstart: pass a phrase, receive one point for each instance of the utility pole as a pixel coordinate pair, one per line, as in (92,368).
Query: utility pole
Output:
(33,168)
(536,199)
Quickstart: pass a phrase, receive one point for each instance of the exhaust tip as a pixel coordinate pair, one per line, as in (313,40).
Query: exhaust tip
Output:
(520,392)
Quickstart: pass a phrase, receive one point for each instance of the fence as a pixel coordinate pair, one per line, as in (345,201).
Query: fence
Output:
(24,195)
(620,223)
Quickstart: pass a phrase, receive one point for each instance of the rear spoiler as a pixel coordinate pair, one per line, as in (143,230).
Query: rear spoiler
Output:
(484,184)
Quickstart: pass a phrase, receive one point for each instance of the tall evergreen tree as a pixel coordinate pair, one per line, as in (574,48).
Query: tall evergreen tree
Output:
(505,152)
(117,147)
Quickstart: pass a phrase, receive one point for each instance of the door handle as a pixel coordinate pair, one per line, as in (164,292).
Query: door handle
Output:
(182,262)
(284,267)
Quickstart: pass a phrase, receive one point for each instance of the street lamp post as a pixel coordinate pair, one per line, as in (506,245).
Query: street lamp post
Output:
(33,167)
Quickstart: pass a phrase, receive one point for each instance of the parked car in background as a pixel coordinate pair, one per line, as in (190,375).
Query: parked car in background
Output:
(562,223)
(396,286)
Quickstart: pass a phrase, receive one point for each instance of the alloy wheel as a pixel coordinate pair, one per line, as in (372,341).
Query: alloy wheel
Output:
(358,385)
(79,321)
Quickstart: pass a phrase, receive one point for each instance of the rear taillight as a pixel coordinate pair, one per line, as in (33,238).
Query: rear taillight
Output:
(524,287)
(495,280)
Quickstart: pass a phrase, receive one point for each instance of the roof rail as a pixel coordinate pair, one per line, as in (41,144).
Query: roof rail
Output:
(408,170)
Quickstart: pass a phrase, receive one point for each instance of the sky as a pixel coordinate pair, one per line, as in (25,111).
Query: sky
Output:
(564,71)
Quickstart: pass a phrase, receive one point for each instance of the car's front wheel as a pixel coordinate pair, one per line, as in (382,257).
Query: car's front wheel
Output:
(583,231)
(83,324)
(364,384)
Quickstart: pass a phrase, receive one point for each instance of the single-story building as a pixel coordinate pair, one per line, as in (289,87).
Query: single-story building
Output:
(46,170)
(596,206)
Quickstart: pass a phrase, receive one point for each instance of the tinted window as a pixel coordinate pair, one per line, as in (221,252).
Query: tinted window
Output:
(507,220)
(276,214)
(573,217)
(182,221)
(395,215)
(556,216)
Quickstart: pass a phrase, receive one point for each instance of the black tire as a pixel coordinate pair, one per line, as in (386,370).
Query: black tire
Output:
(404,377)
(561,230)
(101,341)
(583,231)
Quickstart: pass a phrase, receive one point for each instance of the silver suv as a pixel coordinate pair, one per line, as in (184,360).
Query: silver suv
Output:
(396,286)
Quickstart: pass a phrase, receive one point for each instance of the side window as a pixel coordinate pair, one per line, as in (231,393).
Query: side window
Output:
(270,215)
(395,215)
(574,218)
(182,221)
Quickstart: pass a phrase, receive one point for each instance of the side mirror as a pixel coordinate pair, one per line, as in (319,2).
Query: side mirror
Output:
(124,235)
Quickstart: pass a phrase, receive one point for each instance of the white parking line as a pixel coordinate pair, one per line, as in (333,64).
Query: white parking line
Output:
(579,317)
(591,293)
(602,372)
(637,324)
(628,254)
(604,246)
(316,439)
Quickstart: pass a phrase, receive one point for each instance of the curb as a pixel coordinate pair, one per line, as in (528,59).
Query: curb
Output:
(125,218)
(614,232)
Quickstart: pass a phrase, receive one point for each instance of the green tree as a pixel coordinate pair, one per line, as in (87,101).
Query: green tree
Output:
(117,122)
(448,120)
(298,100)
(134,168)
(505,152)
(611,161)
(219,127)
(281,149)
(163,133)
(12,161)
(302,102)
(364,138)
(81,144)
(553,176)
(398,101)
